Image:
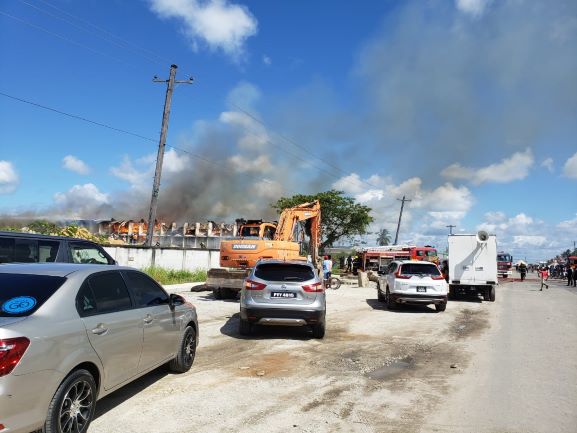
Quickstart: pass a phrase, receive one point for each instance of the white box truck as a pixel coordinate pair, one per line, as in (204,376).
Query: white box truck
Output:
(473,264)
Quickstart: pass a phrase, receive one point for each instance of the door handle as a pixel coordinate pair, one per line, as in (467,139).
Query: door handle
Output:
(100,329)
(148,319)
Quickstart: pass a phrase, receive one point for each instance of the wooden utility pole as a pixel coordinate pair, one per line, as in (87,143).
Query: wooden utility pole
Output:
(450,227)
(162,143)
(403,200)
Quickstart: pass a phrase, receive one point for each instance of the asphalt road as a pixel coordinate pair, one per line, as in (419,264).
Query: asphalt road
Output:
(523,373)
(491,367)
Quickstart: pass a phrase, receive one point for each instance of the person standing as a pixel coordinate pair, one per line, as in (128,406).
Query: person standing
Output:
(523,271)
(349,264)
(569,275)
(574,268)
(544,274)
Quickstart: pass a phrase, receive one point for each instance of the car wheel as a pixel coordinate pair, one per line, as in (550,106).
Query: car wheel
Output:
(319,330)
(391,305)
(440,307)
(244,327)
(72,407)
(380,296)
(186,352)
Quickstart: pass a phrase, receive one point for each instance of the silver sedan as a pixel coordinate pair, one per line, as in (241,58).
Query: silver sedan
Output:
(71,334)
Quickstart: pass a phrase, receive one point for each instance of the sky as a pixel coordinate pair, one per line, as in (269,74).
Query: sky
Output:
(466,107)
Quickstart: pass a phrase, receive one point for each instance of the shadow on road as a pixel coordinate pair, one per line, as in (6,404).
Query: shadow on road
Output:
(376,305)
(230,328)
(209,297)
(130,390)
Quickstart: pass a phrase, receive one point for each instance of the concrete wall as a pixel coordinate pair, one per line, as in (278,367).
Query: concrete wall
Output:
(168,258)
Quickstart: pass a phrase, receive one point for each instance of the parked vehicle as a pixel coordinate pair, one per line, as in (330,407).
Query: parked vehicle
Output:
(412,282)
(504,264)
(286,293)
(473,264)
(378,258)
(16,247)
(71,334)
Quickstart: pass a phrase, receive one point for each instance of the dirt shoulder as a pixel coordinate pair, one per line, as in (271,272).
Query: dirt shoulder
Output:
(375,371)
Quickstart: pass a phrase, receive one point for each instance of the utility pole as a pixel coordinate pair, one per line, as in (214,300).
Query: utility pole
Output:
(160,156)
(450,227)
(403,200)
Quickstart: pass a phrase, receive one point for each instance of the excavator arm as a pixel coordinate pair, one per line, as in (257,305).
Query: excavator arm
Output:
(291,216)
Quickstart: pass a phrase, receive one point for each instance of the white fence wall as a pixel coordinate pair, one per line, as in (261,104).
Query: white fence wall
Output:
(168,258)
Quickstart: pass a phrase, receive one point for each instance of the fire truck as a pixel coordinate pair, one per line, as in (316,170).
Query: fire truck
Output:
(378,258)
(504,264)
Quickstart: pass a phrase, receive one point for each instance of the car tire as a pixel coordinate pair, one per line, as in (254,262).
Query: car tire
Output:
(77,393)
(391,305)
(186,352)
(319,330)
(440,307)
(244,327)
(492,294)
(380,296)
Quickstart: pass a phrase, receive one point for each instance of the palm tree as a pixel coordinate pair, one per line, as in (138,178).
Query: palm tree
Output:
(384,237)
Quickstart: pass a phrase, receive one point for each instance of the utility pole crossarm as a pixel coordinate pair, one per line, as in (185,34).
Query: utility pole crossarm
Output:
(161,145)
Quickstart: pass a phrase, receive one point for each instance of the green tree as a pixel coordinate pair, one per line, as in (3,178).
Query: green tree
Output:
(44,227)
(384,237)
(341,216)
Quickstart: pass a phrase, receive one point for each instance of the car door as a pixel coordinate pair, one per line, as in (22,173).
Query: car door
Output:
(162,326)
(391,275)
(114,327)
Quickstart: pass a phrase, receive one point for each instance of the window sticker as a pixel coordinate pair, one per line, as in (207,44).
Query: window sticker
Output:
(19,305)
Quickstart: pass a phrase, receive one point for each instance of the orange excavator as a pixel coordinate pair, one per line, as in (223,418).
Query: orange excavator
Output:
(284,240)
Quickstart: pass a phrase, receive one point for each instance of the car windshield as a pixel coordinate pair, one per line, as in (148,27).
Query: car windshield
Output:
(284,272)
(503,258)
(419,269)
(22,294)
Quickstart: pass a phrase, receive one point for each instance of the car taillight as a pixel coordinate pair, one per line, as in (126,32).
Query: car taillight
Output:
(314,288)
(438,277)
(253,285)
(11,351)
(402,277)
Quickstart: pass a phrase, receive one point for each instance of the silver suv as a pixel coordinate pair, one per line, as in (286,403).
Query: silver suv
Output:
(412,282)
(71,334)
(286,293)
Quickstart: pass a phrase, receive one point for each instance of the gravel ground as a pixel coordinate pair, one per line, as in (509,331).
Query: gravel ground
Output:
(375,371)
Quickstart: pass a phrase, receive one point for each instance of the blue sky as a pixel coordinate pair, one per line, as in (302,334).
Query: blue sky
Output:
(467,107)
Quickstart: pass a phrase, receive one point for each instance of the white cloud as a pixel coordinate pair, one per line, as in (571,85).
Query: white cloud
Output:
(138,179)
(80,201)
(446,198)
(509,169)
(472,7)
(74,164)
(174,162)
(548,164)
(569,227)
(266,60)
(9,178)
(529,241)
(570,167)
(219,24)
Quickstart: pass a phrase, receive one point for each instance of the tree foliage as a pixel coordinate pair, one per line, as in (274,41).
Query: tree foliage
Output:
(384,237)
(341,216)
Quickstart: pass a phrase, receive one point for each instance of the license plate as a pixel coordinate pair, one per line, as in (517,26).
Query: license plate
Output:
(421,289)
(283,295)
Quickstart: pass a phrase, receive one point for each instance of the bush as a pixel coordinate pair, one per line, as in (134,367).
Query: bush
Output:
(170,276)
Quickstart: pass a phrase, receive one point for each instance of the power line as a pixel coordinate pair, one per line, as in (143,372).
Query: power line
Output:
(64,38)
(74,116)
(110,37)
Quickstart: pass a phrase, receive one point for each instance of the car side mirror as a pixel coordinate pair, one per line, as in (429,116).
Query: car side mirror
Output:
(174,300)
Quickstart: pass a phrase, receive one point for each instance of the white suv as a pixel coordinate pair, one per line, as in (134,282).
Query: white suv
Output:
(412,282)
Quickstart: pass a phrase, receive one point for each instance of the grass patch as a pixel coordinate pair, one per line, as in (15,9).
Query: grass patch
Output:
(170,276)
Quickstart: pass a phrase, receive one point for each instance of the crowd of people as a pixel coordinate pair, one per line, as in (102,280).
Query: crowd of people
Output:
(558,270)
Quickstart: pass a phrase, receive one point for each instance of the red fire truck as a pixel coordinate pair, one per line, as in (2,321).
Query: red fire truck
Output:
(378,258)
(504,264)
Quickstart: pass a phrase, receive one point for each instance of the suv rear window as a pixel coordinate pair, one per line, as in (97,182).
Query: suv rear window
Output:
(22,294)
(419,269)
(284,272)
